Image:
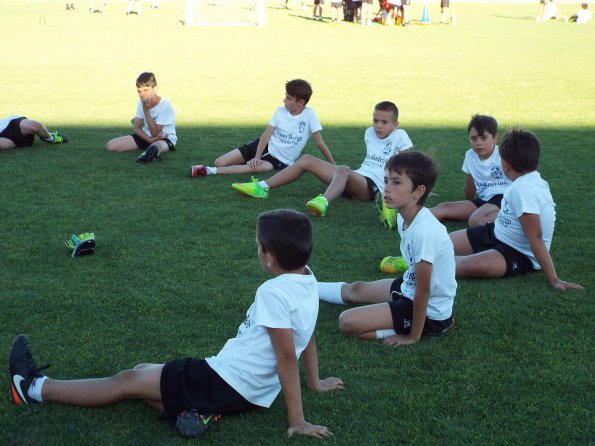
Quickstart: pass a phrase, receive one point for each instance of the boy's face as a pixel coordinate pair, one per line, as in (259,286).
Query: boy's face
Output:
(384,123)
(293,105)
(482,144)
(399,192)
(146,93)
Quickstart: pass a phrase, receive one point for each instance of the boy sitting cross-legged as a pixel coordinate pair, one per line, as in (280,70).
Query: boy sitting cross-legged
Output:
(382,140)
(250,369)
(421,301)
(519,239)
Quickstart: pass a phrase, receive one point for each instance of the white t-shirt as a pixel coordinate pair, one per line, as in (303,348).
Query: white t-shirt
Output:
(528,194)
(427,239)
(248,362)
(378,151)
(487,174)
(291,133)
(5,121)
(162,114)
(583,16)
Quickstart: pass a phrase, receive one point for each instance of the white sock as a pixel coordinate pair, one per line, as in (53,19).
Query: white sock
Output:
(381,334)
(50,139)
(263,184)
(211,170)
(34,391)
(331,292)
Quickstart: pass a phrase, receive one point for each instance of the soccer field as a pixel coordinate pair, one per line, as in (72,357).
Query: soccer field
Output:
(175,267)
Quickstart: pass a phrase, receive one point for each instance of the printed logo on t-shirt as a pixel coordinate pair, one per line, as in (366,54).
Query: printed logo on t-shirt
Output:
(496,172)
(387,148)
(302,126)
(286,137)
(504,210)
(244,326)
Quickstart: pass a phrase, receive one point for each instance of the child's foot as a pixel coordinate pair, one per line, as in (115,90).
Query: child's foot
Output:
(56,138)
(318,206)
(149,155)
(191,424)
(251,189)
(198,170)
(388,217)
(23,370)
(393,265)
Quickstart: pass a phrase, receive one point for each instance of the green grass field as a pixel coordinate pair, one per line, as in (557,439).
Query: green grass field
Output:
(175,267)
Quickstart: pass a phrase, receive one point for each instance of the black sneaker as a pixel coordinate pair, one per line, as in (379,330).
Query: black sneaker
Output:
(191,424)
(22,370)
(149,155)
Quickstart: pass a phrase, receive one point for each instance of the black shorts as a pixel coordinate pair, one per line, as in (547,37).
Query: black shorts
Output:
(142,144)
(483,238)
(188,383)
(496,200)
(248,151)
(372,188)
(13,132)
(401,309)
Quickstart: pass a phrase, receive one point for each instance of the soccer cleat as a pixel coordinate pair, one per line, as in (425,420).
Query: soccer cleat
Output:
(198,170)
(318,206)
(393,265)
(81,245)
(58,138)
(22,370)
(388,216)
(251,189)
(453,322)
(191,424)
(149,155)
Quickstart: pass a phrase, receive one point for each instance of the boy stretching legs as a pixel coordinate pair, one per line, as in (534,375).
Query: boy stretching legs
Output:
(18,131)
(519,240)
(278,329)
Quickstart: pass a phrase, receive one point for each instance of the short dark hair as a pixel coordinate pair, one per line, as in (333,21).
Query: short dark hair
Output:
(420,168)
(389,107)
(146,79)
(483,123)
(300,89)
(287,234)
(585,5)
(521,149)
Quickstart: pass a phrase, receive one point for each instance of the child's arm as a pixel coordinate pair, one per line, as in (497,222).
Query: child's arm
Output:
(531,224)
(322,147)
(262,143)
(310,361)
(155,129)
(289,377)
(138,131)
(423,273)
(469,189)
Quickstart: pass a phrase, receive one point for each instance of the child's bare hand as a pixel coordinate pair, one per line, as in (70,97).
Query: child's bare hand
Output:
(399,340)
(254,162)
(162,135)
(563,285)
(330,383)
(305,428)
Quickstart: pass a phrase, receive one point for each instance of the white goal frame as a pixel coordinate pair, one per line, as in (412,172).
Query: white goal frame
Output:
(196,12)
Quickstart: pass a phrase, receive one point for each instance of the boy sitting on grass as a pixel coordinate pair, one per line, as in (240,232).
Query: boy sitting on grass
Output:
(250,369)
(18,131)
(485,182)
(382,141)
(519,240)
(421,301)
(282,141)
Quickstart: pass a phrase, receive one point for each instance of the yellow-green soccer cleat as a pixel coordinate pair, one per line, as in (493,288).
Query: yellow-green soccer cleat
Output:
(393,265)
(251,189)
(318,206)
(388,216)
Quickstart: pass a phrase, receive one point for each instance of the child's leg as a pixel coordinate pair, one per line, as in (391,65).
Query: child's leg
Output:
(31,127)
(141,382)
(461,243)
(121,144)
(367,292)
(455,210)
(323,170)
(232,158)
(484,214)
(345,179)
(363,322)
(485,264)
(233,162)
(6,143)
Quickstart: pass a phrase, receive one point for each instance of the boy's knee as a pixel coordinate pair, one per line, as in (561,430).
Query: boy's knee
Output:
(306,160)
(350,291)
(345,324)
(342,170)
(125,376)
(110,146)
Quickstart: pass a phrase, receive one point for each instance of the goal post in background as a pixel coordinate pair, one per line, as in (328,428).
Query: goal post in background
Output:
(224,13)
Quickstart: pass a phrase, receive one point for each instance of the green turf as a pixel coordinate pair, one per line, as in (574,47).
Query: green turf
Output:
(175,266)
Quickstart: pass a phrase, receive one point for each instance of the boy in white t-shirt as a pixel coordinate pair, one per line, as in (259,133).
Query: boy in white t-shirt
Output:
(282,141)
(519,240)
(18,131)
(154,124)
(422,300)
(485,182)
(248,372)
(382,140)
